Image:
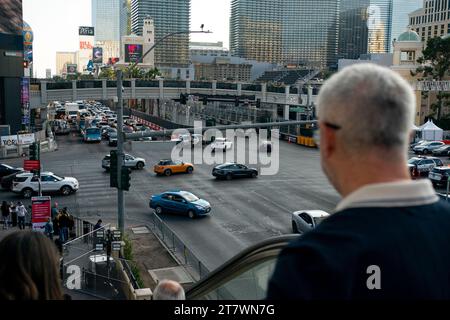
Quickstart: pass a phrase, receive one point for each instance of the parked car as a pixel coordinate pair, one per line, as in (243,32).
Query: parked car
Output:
(180,202)
(414,144)
(27,184)
(112,141)
(169,167)
(221,144)
(442,151)
(233,170)
(6,170)
(427,147)
(305,220)
(130,162)
(439,176)
(421,166)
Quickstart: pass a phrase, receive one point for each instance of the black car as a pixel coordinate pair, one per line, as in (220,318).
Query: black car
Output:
(233,170)
(6,170)
(439,176)
(6,181)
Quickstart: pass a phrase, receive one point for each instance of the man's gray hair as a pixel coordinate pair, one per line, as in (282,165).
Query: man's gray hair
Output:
(373,105)
(168,290)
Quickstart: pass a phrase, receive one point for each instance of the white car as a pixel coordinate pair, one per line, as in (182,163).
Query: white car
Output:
(27,184)
(130,162)
(221,144)
(305,220)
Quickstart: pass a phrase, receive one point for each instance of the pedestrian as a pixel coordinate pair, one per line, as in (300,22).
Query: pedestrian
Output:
(48,229)
(5,214)
(21,214)
(389,236)
(63,223)
(13,210)
(55,210)
(29,268)
(98,225)
(168,290)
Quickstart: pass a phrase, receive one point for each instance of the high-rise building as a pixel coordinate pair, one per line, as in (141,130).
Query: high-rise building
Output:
(110,22)
(432,20)
(365,27)
(168,16)
(62,59)
(400,16)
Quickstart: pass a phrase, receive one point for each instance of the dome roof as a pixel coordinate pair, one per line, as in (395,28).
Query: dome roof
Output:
(409,36)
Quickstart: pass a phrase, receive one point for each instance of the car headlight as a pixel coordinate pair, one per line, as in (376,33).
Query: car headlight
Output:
(199,207)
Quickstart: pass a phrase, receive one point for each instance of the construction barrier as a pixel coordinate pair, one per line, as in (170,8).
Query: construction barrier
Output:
(147,123)
(306,141)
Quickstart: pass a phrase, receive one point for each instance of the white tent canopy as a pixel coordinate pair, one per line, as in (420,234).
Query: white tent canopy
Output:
(431,132)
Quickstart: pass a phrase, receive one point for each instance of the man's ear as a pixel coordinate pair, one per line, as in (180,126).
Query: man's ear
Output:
(328,141)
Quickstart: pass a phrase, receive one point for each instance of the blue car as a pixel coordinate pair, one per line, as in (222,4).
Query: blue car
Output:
(180,202)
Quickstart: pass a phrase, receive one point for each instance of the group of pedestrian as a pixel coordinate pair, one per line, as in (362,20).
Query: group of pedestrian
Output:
(60,223)
(13,214)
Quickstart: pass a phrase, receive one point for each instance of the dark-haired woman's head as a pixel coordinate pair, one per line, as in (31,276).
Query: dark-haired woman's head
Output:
(29,268)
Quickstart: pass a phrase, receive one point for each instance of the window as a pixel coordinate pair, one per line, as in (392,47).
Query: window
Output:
(167,196)
(34,179)
(306,217)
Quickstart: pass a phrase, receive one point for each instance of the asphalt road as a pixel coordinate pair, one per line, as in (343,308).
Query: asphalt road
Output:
(244,211)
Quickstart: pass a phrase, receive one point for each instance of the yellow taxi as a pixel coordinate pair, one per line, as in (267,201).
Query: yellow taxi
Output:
(169,167)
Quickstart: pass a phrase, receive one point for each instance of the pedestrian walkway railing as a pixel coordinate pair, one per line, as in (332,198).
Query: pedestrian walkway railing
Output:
(182,253)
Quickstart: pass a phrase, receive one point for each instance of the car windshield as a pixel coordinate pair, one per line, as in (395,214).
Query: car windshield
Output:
(93,131)
(413,161)
(7,166)
(189,197)
(58,177)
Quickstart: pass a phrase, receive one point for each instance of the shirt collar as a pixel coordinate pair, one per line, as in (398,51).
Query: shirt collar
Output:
(405,193)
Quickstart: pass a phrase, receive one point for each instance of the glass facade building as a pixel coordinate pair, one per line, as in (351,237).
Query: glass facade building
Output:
(285,31)
(169,16)
(109,18)
(400,16)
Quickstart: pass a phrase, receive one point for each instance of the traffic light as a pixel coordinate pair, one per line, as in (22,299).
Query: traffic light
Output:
(125,179)
(205,101)
(183,99)
(34,151)
(113,163)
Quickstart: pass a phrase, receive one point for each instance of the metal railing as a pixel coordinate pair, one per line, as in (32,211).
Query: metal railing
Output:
(178,249)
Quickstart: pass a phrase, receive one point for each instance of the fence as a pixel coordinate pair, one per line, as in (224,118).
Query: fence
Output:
(178,249)
(100,274)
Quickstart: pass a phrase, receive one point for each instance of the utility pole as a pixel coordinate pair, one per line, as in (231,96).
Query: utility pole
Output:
(120,155)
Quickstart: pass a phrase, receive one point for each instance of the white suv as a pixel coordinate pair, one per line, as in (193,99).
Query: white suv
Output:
(221,144)
(27,184)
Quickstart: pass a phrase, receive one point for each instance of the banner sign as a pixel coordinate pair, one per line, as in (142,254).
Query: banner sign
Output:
(9,141)
(40,212)
(30,165)
(71,69)
(97,55)
(27,138)
(133,52)
(86,31)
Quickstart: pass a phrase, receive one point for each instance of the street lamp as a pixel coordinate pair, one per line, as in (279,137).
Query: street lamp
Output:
(120,135)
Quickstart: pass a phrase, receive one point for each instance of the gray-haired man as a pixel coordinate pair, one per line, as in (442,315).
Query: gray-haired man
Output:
(168,290)
(390,236)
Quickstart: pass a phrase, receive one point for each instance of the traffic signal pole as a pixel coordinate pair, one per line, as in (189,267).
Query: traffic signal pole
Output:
(120,154)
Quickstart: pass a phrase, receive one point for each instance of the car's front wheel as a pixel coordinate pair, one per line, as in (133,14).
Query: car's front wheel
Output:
(189,170)
(191,214)
(158,210)
(167,172)
(66,190)
(254,175)
(27,193)
(140,165)
(425,151)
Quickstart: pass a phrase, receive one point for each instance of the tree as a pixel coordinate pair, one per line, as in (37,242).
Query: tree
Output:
(87,77)
(107,73)
(435,65)
(133,72)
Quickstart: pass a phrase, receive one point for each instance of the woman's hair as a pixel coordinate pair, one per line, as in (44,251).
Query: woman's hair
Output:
(29,268)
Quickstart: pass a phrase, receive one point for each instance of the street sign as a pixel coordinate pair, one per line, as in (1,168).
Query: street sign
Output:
(117,234)
(116,245)
(99,247)
(100,234)
(29,165)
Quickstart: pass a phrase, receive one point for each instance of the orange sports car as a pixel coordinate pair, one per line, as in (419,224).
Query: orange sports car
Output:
(168,167)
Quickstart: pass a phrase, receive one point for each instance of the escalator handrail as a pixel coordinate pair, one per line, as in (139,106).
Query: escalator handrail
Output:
(259,252)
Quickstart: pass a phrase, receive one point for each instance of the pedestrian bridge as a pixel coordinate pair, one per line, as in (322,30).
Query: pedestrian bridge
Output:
(44,91)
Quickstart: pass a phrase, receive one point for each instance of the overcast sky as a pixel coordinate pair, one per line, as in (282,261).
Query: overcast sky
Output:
(55,25)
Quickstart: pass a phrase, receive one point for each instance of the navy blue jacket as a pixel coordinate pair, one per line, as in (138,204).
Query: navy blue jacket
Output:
(410,245)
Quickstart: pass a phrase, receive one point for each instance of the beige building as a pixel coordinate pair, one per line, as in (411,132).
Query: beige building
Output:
(62,59)
(222,70)
(433,20)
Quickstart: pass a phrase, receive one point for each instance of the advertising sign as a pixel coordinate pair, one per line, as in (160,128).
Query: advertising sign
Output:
(97,55)
(26,138)
(11,17)
(86,31)
(25,97)
(9,141)
(71,69)
(133,52)
(40,212)
(30,165)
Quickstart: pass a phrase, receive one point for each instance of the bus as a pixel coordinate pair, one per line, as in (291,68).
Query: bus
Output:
(92,134)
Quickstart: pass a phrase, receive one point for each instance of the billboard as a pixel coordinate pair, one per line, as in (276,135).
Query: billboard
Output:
(71,69)
(97,55)
(133,52)
(11,17)
(40,212)
(86,31)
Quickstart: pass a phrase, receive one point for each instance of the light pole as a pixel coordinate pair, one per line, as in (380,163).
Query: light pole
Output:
(120,134)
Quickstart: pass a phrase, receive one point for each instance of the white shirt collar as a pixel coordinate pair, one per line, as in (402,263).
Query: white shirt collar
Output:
(406,193)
